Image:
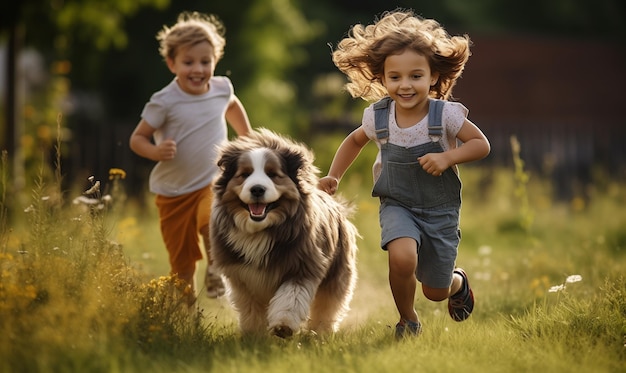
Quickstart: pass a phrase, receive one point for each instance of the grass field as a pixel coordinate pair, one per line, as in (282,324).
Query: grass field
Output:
(86,290)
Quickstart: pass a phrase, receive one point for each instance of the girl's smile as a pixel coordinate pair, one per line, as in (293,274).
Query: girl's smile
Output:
(408,78)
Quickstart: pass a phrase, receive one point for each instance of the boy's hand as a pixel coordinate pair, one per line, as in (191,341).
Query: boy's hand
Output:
(328,184)
(166,150)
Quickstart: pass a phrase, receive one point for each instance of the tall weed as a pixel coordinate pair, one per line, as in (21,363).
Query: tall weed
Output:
(69,298)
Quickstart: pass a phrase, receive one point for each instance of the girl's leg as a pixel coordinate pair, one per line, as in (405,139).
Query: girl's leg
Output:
(402,264)
(441,294)
(459,294)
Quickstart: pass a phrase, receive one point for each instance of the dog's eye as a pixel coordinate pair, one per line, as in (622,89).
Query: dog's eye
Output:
(243,175)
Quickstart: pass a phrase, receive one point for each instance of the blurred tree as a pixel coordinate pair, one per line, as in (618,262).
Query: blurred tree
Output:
(277,55)
(265,43)
(274,40)
(55,28)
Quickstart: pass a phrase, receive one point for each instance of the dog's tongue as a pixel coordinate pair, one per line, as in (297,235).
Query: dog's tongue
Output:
(257,209)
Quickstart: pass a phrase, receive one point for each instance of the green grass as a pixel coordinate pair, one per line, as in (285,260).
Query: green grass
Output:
(84,290)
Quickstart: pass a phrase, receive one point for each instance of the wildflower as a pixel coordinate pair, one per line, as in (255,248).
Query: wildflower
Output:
(556,288)
(573,278)
(94,189)
(539,285)
(85,201)
(115,173)
(569,280)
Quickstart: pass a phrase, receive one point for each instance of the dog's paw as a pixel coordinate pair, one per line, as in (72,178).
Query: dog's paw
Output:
(282,331)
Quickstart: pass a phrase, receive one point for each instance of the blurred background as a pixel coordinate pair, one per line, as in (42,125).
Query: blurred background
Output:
(78,73)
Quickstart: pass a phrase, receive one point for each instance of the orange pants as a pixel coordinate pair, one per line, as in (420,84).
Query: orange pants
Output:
(182,219)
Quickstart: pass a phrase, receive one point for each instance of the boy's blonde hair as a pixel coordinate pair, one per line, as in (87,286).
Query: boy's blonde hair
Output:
(361,55)
(191,29)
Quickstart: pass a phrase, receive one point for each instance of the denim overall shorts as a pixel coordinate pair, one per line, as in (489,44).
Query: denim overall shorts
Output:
(414,203)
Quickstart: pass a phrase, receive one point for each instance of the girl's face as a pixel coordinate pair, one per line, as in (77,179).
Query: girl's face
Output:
(193,67)
(408,78)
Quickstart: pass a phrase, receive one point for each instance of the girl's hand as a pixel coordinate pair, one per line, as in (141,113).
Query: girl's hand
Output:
(166,150)
(434,163)
(328,184)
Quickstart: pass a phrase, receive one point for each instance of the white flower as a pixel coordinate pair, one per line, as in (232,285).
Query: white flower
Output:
(84,200)
(94,189)
(556,288)
(573,278)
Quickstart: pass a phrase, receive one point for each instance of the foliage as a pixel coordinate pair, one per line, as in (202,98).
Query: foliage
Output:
(102,63)
(101,23)
(273,39)
(68,289)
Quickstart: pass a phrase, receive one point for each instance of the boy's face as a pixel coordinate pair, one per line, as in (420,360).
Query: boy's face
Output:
(193,66)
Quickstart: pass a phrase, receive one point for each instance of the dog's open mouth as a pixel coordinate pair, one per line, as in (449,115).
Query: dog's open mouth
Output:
(258,211)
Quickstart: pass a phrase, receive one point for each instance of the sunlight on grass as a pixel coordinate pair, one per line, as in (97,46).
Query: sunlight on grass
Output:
(84,287)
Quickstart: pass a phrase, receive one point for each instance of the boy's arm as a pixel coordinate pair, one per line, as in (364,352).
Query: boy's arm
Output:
(141,143)
(346,154)
(237,117)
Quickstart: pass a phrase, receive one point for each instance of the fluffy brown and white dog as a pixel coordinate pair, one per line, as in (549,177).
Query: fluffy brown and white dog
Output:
(286,249)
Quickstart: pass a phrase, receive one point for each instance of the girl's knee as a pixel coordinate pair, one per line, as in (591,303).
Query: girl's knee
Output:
(402,268)
(402,257)
(436,294)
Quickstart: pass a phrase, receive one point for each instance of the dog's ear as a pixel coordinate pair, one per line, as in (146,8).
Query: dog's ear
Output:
(299,166)
(227,163)
(293,162)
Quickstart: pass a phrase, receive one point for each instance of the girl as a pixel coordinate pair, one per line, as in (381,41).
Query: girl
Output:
(410,65)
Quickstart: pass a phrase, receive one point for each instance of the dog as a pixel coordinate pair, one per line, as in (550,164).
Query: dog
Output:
(286,249)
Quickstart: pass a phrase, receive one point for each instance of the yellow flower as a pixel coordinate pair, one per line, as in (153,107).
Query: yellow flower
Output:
(115,173)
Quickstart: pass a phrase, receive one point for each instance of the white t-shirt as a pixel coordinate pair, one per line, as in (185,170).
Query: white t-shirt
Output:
(452,119)
(197,123)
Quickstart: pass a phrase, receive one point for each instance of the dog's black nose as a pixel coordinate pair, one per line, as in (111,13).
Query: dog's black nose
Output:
(257,191)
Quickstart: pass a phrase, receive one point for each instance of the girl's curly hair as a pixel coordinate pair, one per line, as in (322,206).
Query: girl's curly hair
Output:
(361,55)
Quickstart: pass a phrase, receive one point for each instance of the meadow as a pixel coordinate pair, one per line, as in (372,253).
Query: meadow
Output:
(84,287)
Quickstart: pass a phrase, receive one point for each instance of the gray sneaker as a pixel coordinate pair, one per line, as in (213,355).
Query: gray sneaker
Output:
(406,328)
